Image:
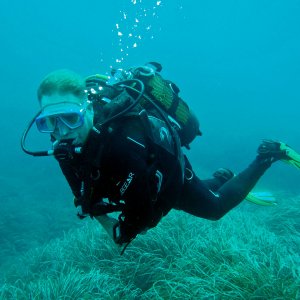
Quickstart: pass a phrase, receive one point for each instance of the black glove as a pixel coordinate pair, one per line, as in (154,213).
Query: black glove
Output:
(124,233)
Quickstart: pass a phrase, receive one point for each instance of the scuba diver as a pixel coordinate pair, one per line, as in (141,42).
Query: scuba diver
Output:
(118,141)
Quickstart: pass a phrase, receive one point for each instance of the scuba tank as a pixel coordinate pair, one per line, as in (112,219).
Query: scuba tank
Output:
(162,92)
(165,93)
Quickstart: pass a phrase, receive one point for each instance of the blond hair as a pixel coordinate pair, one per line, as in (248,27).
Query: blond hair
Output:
(62,82)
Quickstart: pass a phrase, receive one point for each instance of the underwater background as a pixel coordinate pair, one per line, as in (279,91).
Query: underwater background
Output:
(237,65)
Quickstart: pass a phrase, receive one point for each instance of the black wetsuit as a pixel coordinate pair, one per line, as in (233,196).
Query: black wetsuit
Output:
(212,199)
(144,178)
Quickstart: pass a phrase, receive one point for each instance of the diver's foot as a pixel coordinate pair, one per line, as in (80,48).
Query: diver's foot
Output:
(223,174)
(271,151)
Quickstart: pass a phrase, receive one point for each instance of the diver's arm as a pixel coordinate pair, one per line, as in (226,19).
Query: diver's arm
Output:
(72,177)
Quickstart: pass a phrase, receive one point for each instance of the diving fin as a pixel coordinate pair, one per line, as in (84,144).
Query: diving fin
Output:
(262,198)
(274,150)
(293,158)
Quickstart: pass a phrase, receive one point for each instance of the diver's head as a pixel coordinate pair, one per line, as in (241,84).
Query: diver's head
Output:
(66,112)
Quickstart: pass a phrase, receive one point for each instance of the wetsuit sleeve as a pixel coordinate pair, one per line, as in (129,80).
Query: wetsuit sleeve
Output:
(71,175)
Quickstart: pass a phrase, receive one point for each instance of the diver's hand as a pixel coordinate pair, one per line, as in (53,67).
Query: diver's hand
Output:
(108,223)
(123,233)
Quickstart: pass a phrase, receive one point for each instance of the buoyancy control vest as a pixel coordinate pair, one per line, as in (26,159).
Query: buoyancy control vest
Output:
(161,140)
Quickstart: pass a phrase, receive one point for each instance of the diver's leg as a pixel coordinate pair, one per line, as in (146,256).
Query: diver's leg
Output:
(237,188)
(199,200)
(220,176)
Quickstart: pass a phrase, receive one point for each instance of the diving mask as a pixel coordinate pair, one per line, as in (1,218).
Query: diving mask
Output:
(67,113)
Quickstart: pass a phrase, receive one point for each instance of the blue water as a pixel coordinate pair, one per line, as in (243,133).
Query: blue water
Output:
(237,64)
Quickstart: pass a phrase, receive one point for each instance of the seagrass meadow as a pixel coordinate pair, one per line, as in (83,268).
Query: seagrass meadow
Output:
(237,66)
(252,253)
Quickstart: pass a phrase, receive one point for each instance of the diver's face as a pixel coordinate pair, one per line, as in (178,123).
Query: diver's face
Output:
(56,103)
